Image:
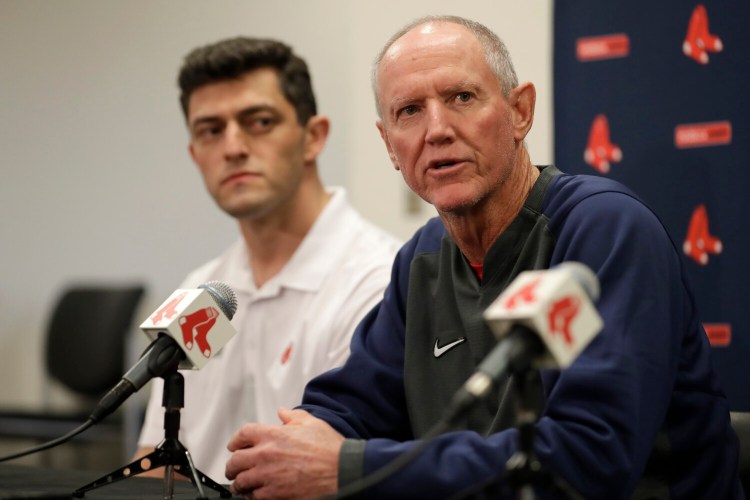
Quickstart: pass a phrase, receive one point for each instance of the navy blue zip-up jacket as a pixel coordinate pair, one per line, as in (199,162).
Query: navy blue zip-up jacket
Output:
(639,414)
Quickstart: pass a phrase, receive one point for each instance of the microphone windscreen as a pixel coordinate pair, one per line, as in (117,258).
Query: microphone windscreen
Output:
(223,295)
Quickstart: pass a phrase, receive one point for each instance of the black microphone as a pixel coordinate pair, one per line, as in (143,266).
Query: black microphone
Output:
(188,319)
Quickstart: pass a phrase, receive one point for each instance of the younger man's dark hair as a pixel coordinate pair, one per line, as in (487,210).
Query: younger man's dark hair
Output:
(231,58)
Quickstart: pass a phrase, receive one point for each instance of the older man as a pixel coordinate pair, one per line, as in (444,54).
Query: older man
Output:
(639,413)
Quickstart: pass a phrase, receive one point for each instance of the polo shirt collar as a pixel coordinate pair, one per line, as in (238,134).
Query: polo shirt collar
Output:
(319,252)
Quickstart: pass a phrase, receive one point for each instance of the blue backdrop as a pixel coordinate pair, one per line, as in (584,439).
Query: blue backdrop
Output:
(656,94)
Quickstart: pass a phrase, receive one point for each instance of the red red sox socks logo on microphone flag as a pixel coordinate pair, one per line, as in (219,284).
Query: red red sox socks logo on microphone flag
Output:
(658,102)
(195,326)
(560,314)
(548,302)
(191,318)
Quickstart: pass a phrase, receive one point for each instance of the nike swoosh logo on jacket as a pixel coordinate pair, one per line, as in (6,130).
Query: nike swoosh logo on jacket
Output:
(439,351)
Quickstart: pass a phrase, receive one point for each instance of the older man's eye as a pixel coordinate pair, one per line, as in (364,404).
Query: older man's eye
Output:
(463,96)
(408,110)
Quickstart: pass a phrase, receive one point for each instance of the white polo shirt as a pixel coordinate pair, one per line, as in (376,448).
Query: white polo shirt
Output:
(296,326)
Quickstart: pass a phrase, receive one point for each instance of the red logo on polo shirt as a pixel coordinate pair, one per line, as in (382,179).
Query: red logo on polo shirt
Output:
(594,48)
(287,354)
(600,151)
(699,242)
(698,40)
(696,135)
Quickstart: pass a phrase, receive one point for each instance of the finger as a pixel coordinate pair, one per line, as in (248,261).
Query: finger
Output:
(284,414)
(248,435)
(293,416)
(238,441)
(239,489)
(240,461)
(247,483)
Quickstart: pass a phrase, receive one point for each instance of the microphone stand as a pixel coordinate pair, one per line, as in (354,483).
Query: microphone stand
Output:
(170,453)
(523,469)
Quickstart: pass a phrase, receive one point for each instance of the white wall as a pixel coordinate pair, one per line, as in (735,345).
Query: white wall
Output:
(96,183)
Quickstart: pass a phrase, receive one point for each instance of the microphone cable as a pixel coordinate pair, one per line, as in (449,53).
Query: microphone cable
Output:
(462,401)
(105,406)
(111,400)
(508,357)
(50,444)
(167,356)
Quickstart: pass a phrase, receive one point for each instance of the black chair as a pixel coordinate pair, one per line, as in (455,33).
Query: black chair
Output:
(86,345)
(741,425)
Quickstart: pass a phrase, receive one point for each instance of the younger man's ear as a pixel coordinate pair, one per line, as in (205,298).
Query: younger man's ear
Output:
(316,134)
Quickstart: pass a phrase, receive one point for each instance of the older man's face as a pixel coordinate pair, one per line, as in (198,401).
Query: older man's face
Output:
(445,121)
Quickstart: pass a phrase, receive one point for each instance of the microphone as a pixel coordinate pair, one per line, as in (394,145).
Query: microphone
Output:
(191,319)
(544,318)
(187,330)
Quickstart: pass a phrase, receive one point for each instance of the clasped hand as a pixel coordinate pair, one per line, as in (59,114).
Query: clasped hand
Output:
(296,460)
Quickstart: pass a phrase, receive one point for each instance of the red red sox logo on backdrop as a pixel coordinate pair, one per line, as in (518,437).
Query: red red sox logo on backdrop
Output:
(597,48)
(600,151)
(699,242)
(559,316)
(698,40)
